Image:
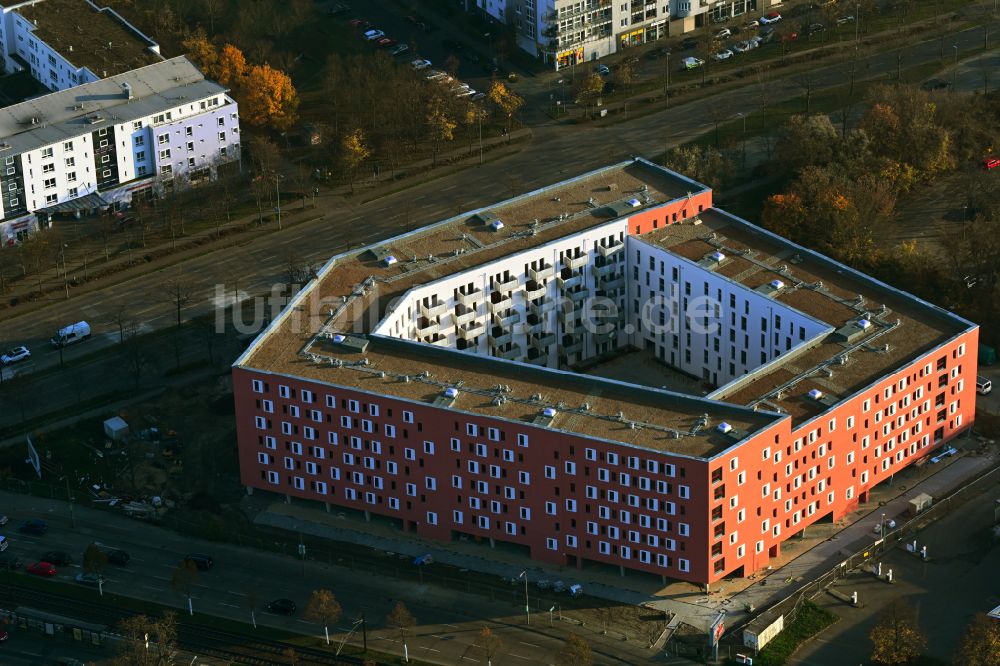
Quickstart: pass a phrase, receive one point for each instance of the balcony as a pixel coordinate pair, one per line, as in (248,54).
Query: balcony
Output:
(472,331)
(541,273)
(507,321)
(512,354)
(610,250)
(508,286)
(605,337)
(577,296)
(536,310)
(427,328)
(468,299)
(538,360)
(465,318)
(571,345)
(605,270)
(544,341)
(533,328)
(499,304)
(431,311)
(568,282)
(534,290)
(616,282)
(574,263)
(566,316)
(501,339)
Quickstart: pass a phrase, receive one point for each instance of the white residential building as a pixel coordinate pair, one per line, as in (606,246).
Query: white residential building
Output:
(103,143)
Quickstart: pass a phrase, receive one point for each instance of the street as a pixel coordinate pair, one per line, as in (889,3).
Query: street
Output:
(448,621)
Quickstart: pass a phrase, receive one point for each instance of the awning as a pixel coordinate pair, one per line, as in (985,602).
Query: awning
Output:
(86,202)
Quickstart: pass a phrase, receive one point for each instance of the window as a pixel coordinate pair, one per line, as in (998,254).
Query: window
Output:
(46,152)
(48,168)
(165,154)
(67,145)
(222,136)
(189,131)
(432,518)
(163,139)
(50,183)
(51,198)
(71,177)
(139,141)
(551,544)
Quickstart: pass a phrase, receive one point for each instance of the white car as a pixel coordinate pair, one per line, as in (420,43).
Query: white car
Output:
(372,35)
(435,74)
(14,355)
(752,25)
(420,63)
(743,47)
(399,49)
(725,54)
(724,33)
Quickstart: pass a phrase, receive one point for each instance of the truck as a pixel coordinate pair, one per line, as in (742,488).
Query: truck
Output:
(987,355)
(71,334)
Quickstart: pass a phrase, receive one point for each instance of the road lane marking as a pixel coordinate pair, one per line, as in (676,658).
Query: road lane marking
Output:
(238,594)
(223,603)
(470,658)
(445,624)
(529,644)
(424,647)
(519,656)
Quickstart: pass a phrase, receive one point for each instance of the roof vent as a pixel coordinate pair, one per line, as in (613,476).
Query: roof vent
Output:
(451,392)
(338,338)
(496,225)
(717,256)
(127,90)
(549,413)
(815,394)
(863,324)
(390,260)
(634,203)
(724,428)
(777,284)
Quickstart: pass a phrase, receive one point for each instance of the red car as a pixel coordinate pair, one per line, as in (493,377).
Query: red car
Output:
(42,569)
(359,23)
(991,163)
(789,36)
(386,42)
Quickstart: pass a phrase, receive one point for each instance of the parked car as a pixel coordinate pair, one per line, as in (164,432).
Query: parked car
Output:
(789,36)
(281,606)
(725,54)
(71,334)
(423,560)
(41,569)
(116,556)
(372,35)
(768,19)
(385,42)
(420,63)
(935,84)
(887,525)
(983,385)
(815,28)
(360,24)
(691,63)
(58,557)
(35,527)
(991,163)
(603,70)
(752,25)
(689,44)
(724,33)
(543,584)
(88,579)
(744,46)
(399,49)
(845,19)
(576,590)
(14,355)
(339,8)
(200,560)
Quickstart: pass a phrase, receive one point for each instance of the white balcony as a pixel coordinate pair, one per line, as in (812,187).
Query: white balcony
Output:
(610,250)
(471,331)
(431,311)
(606,269)
(574,348)
(541,273)
(468,299)
(513,354)
(538,360)
(613,283)
(577,296)
(566,283)
(507,321)
(533,329)
(501,305)
(508,286)
(544,341)
(532,294)
(430,329)
(464,318)
(500,340)
(577,262)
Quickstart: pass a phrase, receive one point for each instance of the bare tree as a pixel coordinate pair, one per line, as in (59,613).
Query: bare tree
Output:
(489,643)
(184,580)
(147,642)
(323,608)
(402,619)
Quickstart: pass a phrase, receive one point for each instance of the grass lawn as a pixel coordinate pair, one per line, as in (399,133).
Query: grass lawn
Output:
(810,620)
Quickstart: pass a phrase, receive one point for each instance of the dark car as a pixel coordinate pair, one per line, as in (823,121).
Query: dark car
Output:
(34,526)
(935,84)
(9,562)
(58,558)
(200,560)
(117,556)
(281,606)
(689,43)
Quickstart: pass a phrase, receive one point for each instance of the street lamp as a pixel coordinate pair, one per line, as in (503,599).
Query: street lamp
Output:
(881,527)
(554,607)
(744,142)
(954,74)
(527,611)
(65,277)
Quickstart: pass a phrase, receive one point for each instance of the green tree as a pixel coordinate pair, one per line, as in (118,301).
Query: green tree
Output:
(896,637)
(507,101)
(980,645)
(323,608)
(574,652)
(589,90)
(441,128)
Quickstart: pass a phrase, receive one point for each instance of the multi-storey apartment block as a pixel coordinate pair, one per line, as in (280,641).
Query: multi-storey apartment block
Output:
(105,142)
(609,369)
(65,43)
(572,32)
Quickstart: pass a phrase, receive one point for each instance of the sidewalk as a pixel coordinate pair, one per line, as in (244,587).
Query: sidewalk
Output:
(691,605)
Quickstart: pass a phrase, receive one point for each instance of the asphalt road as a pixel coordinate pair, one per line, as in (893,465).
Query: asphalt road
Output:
(448,621)
(554,153)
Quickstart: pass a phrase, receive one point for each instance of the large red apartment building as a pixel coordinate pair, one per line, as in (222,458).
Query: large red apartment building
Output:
(606,369)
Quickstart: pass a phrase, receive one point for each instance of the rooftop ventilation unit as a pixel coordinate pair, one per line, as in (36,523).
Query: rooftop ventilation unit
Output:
(390,260)
(822,398)
(712,260)
(338,338)
(634,203)
(127,90)
(549,412)
(854,330)
(777,284)
(546,417)
(724,428)
(771,288)
(340,343)
(815,394)
(496,225)
(863,324)
(486,217)
(448,398)
(451,392)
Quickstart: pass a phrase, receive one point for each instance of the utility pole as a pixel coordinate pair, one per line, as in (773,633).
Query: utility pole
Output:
(527,610)
(954,74)
(277,193)
(364,632)
(65,277)
(479,117)
(69,498)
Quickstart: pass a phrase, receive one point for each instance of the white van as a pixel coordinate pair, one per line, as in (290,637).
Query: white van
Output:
(70,334)
(983,385)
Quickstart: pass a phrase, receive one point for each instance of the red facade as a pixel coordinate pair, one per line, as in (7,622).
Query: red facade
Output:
(685,518)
